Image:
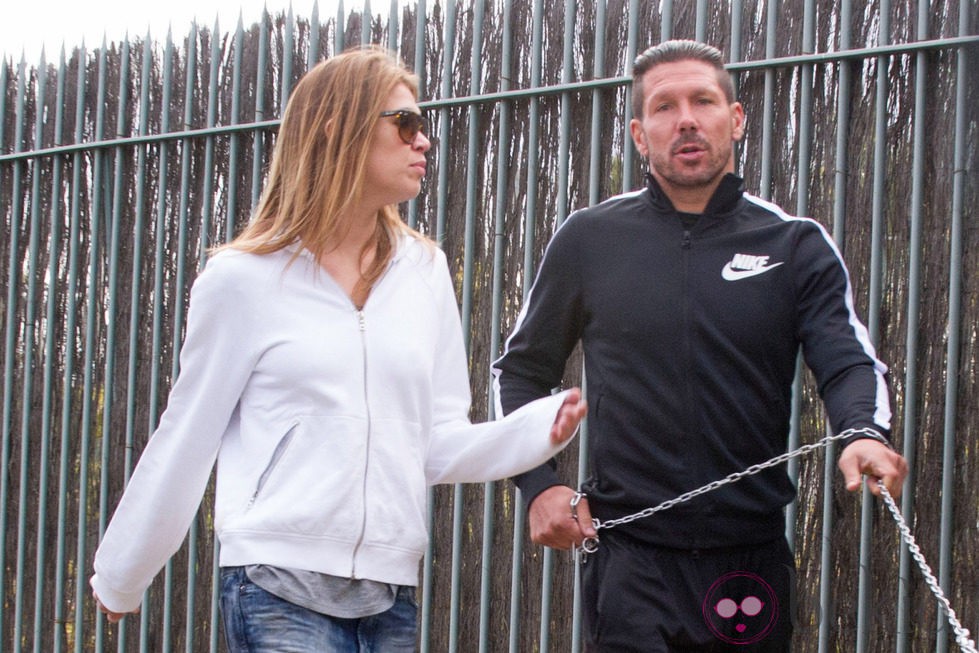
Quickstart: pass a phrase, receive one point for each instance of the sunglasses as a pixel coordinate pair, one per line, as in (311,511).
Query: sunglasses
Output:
(409,123)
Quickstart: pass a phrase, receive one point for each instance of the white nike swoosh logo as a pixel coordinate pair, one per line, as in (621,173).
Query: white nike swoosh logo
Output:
(730,274)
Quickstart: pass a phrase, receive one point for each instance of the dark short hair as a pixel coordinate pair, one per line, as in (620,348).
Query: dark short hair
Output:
(672,52)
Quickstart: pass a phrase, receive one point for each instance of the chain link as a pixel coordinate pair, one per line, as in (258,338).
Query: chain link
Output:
(961,634)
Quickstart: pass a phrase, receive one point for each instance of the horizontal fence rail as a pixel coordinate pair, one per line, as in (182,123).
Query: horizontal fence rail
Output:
(502,96)
(122,166)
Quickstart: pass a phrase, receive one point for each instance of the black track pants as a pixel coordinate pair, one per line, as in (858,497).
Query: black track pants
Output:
(644,599)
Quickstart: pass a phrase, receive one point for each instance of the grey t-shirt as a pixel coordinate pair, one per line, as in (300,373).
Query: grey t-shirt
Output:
(345,598)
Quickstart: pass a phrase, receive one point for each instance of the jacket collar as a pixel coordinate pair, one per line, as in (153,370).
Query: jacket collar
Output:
(725,198)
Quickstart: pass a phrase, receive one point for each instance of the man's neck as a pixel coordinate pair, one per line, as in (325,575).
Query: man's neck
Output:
(723,195)
(689,200)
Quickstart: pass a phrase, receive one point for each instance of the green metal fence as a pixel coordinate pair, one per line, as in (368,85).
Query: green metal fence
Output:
(121,166)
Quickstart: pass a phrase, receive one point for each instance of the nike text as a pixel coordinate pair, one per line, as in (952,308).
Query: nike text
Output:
(743,266)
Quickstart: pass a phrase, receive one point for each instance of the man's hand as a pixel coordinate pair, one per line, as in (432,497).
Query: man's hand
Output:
(553,523)
(112,617)
(877,461)
(572,411)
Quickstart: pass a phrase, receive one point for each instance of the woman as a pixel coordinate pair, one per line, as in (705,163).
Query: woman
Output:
(324,370)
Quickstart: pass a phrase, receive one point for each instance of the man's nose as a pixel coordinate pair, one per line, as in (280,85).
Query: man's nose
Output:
(687,121)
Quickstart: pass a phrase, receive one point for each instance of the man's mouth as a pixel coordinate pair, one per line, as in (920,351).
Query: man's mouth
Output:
(688,148)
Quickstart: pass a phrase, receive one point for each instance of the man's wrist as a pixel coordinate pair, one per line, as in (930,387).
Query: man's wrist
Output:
(866,433)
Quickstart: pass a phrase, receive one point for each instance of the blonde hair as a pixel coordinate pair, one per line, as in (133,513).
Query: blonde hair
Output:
(317,171)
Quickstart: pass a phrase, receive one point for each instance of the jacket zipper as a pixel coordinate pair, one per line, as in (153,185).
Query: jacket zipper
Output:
(689,411)
(362,326)
(686,328)
(280,450)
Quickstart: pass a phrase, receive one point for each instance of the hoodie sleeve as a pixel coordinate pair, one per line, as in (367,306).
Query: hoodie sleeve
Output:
(168,483)
(462,452)
(836,344)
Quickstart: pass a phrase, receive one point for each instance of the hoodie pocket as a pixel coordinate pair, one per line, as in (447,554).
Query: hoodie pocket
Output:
(311,484)
(280,450)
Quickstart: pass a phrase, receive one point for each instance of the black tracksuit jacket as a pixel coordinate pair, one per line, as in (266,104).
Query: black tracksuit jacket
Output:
(691,334)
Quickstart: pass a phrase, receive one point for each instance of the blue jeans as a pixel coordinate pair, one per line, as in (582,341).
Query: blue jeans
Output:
(256,622)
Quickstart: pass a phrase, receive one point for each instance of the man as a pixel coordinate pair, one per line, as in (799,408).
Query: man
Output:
(691,300)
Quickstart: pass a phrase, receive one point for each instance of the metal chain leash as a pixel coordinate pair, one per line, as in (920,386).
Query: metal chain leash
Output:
(590,544)
(961,634)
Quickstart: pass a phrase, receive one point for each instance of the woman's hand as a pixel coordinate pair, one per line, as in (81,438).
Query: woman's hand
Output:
(113,617)
(572,411)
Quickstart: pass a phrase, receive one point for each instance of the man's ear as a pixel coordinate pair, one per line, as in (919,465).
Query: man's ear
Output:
(737,121)
(635,129)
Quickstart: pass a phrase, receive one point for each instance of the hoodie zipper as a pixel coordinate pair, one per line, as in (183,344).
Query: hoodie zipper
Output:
(362,327)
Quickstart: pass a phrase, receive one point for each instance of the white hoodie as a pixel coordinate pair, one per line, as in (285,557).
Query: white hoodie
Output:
(327,423)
